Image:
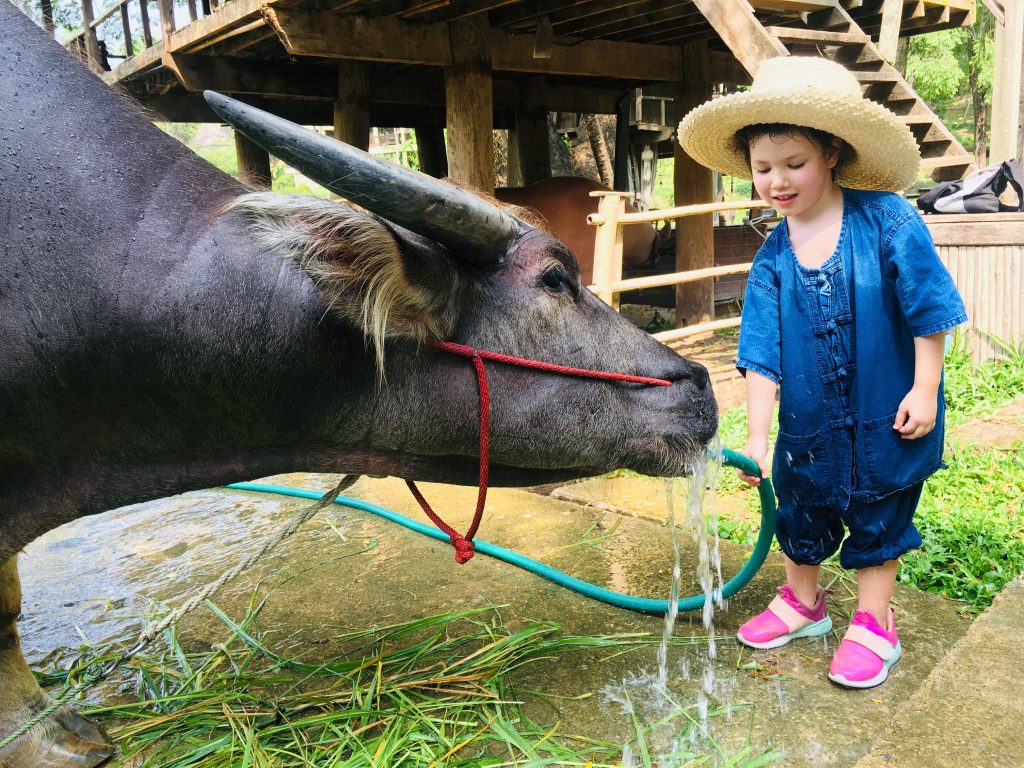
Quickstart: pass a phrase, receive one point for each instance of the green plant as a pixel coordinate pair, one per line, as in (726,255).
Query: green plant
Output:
(972,389)
(970,519)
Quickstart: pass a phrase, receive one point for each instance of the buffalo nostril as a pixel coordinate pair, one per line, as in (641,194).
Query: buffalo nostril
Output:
(699,376)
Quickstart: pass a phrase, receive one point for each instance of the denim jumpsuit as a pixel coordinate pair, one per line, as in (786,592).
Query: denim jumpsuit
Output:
(839,342)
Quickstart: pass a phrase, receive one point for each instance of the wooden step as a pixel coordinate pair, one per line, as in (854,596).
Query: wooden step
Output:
(916,119)
(815,37)
(831,20)
(884,76)
(948,167)
(946,161)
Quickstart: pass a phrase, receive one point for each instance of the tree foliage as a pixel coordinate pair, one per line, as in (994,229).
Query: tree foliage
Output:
(952,71)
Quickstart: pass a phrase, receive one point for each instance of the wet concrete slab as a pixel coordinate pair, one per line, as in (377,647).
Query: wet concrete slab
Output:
(347,570)
(969,710)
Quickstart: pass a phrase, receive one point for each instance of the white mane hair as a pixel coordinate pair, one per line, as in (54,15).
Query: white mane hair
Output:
(355,263)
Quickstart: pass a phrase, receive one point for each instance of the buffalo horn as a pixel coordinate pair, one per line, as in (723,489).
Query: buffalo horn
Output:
(471,228)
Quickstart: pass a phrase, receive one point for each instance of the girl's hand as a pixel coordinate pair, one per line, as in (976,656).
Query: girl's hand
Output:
(756,449)
(916,415)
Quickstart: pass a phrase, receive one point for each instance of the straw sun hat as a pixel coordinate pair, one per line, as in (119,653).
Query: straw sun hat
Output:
(813,92)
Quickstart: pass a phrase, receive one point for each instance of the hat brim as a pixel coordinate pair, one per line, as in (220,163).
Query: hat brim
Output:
(886,154)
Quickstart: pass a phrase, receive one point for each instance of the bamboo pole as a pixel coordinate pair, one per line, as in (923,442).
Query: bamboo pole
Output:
(678,212)
(678,278)
(608,245)
(675,334)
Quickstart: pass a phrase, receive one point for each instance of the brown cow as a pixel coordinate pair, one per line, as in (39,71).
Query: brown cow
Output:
(564,202)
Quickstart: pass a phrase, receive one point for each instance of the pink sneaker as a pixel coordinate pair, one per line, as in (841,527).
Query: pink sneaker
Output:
(786,619)
(867,653)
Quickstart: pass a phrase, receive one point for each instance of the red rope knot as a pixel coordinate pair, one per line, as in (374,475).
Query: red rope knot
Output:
(464,548)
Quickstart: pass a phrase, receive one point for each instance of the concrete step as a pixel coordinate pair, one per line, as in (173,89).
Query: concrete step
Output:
(968,712)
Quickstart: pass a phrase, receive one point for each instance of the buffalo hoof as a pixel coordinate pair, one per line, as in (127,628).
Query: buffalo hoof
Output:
(65,740)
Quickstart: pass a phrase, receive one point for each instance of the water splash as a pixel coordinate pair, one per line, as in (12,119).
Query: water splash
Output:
(656,701)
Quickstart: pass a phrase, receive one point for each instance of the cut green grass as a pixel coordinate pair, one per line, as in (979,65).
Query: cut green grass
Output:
(431,692)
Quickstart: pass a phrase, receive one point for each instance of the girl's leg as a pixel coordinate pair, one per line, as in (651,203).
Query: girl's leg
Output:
(803,579)
(874,590)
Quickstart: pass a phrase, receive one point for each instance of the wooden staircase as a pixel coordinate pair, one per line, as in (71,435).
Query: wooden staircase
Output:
(833,34)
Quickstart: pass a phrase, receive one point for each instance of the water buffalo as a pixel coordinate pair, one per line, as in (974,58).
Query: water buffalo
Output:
(158,333)
(564,202)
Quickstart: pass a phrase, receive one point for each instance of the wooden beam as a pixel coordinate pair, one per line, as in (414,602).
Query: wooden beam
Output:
(977,229)
(469,98)
(230,74)
(301,80)
(726,68)
(344,36)
(347,36)
(735,23)
(192,108)
(627,20)
(352,107)
(1007,85)
(889,35)
(593,58)
(695,246)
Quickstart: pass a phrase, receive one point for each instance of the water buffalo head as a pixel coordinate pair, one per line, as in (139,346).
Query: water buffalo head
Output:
(428,261)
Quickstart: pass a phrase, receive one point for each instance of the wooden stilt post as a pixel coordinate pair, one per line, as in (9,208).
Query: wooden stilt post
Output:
(528,141)
(352,107)
(469,107)
(430,145)
(253,163)
(1007,85)
(695,249)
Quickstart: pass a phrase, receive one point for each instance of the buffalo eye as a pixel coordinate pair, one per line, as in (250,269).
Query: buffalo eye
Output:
(557,280)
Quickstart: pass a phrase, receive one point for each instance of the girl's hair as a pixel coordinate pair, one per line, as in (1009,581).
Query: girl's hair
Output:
(821,139)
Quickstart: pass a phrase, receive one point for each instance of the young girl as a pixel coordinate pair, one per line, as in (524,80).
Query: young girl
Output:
(845,315)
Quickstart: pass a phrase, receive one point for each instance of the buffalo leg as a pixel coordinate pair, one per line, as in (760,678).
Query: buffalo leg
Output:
(63,740)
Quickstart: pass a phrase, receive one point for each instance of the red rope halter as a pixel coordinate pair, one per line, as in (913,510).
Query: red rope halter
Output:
(463,544)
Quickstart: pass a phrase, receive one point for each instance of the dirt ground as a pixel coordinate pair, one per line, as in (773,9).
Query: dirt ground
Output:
(999,430)
(717,353)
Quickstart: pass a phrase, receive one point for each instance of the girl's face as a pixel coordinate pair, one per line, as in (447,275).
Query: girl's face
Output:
(791,173)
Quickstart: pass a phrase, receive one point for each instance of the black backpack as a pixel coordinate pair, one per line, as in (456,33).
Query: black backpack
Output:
(978,193)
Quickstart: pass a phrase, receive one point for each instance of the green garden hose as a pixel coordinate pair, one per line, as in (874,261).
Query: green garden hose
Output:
(640,604)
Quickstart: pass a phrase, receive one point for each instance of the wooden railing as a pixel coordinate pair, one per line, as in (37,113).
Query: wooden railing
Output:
(86,43)
(610,219)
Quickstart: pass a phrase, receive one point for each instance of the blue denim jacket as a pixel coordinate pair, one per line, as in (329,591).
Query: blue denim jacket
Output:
(839,342)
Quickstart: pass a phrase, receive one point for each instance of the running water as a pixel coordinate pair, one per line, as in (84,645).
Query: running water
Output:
(659,698)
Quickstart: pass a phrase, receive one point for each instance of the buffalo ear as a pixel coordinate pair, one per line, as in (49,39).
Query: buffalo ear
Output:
(358,266)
